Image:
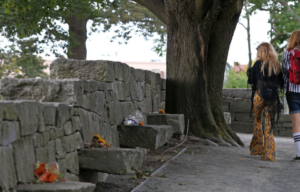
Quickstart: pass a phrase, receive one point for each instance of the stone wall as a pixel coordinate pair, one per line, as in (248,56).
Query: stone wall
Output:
(238,103)
(31,131)
(49,120)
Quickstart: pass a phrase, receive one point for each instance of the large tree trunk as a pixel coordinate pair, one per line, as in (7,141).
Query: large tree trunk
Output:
(78,36)
(199,35)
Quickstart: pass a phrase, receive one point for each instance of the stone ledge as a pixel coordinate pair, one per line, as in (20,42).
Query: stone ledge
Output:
(67,186)
(147,136)
(111,160)
(174,120)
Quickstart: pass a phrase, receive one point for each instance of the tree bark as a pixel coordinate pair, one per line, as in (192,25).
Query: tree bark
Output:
(199,35)
(77,30)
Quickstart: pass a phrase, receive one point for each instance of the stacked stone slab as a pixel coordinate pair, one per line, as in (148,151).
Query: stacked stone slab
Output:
(147,136)
(238,103)
(111,160)
(58,187)
(32,131)
(174,120)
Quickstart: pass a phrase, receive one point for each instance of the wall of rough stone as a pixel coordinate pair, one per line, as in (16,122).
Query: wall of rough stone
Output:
(31,131)
(238,103)
(49,120)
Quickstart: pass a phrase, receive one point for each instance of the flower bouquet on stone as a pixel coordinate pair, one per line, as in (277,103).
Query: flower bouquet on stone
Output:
(97,142)
(47,172)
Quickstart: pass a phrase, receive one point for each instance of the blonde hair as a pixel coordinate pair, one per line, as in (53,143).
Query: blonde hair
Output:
(294,40)
(267,53)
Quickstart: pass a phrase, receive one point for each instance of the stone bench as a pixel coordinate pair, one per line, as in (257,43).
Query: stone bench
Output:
(111,160)
(174,120)
(147,136)
(67,186)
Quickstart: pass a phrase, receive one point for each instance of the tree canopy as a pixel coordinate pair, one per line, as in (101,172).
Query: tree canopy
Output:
(44,18)
(284,19)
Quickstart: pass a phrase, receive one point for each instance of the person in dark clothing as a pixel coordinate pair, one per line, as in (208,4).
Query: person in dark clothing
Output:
(266,78)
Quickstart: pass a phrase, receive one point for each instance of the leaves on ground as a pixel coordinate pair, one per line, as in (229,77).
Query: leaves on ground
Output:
(262,167)
(242,159)
(163,176)
(181,183)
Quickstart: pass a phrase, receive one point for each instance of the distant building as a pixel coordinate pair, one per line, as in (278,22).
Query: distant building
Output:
(238,67)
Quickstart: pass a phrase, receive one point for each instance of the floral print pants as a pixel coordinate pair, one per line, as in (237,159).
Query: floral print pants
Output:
(262,142)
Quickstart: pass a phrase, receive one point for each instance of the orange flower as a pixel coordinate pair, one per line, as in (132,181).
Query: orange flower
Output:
(40,170)
(102,141)
(141,123)
(52,177)
(162,111)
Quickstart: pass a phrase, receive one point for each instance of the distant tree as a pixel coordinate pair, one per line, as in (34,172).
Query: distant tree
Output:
(236,79)
(42,17)
(20,61)
(284,19)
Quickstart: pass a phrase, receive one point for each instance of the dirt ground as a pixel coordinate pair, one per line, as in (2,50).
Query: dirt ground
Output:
(152,161)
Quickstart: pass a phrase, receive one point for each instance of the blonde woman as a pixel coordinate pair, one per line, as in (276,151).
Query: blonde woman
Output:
(265,77)
(292,88)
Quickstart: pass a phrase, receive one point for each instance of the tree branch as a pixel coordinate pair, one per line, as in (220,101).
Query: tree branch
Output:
(157,7)
(243,25)
(285,4)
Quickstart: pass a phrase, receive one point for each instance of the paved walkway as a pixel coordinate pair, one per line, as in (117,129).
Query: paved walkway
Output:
(232,169)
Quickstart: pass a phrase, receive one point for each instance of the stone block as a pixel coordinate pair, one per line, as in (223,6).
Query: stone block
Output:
(77,125)
(137,90)
(41,154)
(62,163)
(30,115)
(71,177)
(288,125)
(150,79)
(82,69)
(52,134)
(141,106)
(8,110)
(80,144)
(237,93)
(49,112)
(38,140)
(148,98)
(128,109)
(118,87)
(162,95)
(72,162)
(225,108)
(8,178)
(244,117)
(24,159)
(46,137)
(157,79)
(91,176)
(68,128)
(163,84)
(63,114)
(241,127)
(93,102)
(240,105)
(111,160)
(174,120)
(51,151)
(9,132)
(147,136)
(285,118)
(67,186)
(283,132)
(59,132)
(59,151)
(70,143)
(91,123)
